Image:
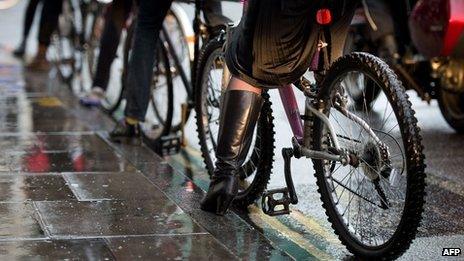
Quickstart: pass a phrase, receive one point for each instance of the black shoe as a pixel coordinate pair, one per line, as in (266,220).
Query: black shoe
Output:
(126,133)
(20,50)
(239,115)
(221,193)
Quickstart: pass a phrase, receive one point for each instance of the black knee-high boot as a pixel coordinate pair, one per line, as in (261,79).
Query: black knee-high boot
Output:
(240,111)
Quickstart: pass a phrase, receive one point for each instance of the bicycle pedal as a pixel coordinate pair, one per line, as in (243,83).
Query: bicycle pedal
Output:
(168,145)
(269,203)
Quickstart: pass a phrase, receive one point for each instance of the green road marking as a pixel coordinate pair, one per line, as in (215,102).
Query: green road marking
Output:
(300,236)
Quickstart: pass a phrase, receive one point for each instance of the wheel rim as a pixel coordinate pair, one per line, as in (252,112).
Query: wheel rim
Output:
(113,91)
(181,48)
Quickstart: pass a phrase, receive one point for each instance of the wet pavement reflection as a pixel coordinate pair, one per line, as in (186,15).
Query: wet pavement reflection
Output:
(18,221)
(66,192)
(69,193)
(195,247)
(42,153)
(56,250)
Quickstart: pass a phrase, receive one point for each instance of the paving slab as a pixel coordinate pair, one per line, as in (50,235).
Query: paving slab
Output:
(34,187)
(180,247)
(93,249)
(18,221)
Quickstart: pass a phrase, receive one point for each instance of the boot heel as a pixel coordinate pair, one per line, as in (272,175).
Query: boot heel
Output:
(223,203)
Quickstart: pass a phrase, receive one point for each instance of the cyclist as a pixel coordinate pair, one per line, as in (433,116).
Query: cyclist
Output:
(51,10)
(150,18)
(271,47)
(28,19)
(115,18)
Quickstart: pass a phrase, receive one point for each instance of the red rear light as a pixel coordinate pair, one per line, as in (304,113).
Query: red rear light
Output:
(324,16)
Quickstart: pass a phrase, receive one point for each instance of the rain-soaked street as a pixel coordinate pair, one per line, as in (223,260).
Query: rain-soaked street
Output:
(67,192)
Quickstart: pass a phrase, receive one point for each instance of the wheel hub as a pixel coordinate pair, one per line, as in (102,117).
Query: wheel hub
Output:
(371,159)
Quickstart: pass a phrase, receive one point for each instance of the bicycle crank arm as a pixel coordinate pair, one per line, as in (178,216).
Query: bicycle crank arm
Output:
(287,154)
(276,206)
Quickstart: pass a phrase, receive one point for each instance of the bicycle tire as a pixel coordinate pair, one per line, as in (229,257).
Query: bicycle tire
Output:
(415,190)
(451,105)
(176,126)
(368,95)
(261,160)
(110,109)
(162,60)
(60,36)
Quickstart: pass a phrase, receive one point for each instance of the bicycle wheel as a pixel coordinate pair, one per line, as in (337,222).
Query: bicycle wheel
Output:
(159,114)
(452,107)
(114,94)
(374,203)
(255,172)
(94,26)
(357,42)
(88,49)
(62,51)
(176,32)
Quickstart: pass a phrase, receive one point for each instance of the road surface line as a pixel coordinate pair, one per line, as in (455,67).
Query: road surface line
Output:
(313,226)
(292,235)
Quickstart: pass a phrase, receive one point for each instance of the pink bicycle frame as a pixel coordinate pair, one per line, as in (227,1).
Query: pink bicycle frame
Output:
(290,104)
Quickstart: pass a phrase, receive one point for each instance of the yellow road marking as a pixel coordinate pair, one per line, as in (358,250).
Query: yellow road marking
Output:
(308,223)
(49,102)
(313,226)
(292,235)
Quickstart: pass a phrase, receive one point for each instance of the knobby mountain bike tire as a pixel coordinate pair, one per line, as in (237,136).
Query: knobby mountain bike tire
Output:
(390,227)
(357,42)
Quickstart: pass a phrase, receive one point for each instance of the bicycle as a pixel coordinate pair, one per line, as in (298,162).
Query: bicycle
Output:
(74,47)
(368,162)
(176,65)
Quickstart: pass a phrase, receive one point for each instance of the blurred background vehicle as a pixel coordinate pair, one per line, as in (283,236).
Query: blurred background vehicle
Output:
(424,42)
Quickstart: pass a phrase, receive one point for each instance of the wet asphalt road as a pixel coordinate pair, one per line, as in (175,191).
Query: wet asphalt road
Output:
(75,210)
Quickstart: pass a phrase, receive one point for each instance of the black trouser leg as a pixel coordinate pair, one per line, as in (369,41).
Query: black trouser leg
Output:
(115,19)
(29,17)
(150,19)
(51,10)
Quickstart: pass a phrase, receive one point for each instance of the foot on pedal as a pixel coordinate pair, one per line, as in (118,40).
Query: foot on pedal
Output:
(273,206)
(168,145)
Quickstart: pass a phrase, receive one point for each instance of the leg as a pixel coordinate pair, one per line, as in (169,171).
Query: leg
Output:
(48,23)
(49,20)
(150,19)
(28,19)
(339,30)
(240,111)
(115,19)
